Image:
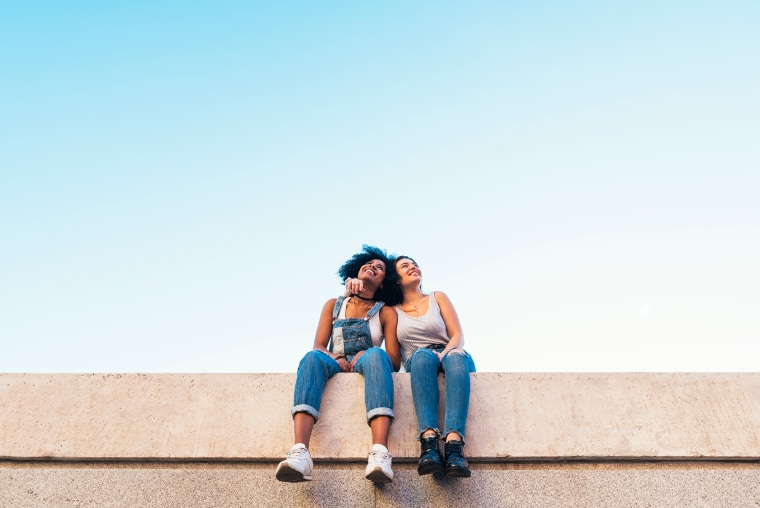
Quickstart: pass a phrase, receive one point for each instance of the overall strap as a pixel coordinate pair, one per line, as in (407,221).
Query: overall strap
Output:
(336,308)
(375,309)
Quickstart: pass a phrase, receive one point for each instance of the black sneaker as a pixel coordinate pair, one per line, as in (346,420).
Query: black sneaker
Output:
(456,464)
(430,458)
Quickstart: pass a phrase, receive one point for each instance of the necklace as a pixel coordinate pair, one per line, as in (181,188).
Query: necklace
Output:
(416,308)
(362,298)
(360,307)
(361,302)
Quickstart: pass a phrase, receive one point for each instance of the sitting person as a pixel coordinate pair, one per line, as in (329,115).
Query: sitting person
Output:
(348,339)
(431,341)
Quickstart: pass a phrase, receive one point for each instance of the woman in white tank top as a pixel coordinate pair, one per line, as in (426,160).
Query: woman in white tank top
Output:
(432,341)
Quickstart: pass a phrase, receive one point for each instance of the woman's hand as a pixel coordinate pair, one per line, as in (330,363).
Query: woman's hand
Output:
(355,359)
(343,363)
(354,286)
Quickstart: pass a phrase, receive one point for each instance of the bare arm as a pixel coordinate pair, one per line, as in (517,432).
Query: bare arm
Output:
(451,319)
(389,320)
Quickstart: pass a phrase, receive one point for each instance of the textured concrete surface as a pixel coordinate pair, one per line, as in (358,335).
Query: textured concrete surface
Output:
(534,440)
(246,417)
(617,485)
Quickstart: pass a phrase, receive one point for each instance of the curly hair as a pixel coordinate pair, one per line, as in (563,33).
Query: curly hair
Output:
(388,292)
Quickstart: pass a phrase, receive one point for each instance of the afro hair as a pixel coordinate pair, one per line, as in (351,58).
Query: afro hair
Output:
(351,268)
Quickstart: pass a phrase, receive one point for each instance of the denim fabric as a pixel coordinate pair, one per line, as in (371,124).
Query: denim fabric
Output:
(317,367)
(351,335)
(424,367)
(376,368)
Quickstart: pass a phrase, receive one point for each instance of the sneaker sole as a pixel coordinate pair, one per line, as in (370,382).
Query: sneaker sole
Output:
(378,476)
(458,472)
(429,468)
(286,474)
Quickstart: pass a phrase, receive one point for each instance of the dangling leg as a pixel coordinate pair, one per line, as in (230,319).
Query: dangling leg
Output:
(314,370)
(377,370)
(424,367)
(457,366)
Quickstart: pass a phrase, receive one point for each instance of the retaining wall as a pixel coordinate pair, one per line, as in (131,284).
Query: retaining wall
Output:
(533,439)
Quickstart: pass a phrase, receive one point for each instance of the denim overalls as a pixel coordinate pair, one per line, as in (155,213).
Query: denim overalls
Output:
(349,337)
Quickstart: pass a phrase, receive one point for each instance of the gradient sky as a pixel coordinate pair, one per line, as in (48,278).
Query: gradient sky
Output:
(180,181)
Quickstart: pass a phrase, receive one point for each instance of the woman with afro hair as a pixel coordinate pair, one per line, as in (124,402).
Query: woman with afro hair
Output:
(349,335)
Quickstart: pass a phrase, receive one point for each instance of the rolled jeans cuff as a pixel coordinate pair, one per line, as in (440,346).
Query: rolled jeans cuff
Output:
(305,408)
(380,411)
(434,429)
(461,434)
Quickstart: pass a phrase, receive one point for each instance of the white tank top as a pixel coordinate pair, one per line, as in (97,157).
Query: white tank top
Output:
(423,331)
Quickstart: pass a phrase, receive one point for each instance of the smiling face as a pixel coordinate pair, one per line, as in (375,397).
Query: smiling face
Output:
(408,270)
(372,271)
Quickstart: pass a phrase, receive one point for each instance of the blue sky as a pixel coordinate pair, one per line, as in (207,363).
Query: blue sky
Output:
(179,181)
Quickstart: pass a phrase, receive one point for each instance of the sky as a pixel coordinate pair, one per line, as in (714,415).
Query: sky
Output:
(180,181)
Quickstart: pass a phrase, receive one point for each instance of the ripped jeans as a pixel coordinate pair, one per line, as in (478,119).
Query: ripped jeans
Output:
(424,367)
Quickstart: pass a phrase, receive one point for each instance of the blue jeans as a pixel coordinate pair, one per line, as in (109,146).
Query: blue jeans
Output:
(424,367)
(317,367)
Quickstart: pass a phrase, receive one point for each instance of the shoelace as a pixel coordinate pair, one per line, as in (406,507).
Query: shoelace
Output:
(297,453)
(378,456)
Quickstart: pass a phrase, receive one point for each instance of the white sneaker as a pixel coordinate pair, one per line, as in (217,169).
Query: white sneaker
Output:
(297,467)
(379,465)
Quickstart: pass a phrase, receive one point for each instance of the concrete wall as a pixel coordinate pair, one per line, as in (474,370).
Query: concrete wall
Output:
(627,439)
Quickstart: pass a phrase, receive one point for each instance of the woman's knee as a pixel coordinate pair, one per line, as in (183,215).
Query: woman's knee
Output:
(458,359)
(373,360)
(310,358)
(456,355)
(315,360)
(424,358)
(374,355)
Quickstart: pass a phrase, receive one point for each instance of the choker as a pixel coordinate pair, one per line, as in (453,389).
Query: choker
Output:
(362,298)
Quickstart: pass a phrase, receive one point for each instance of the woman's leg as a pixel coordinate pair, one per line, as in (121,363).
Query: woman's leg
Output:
(377,370)
(424,366)
(314,370)
(457,365)
(380,426)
